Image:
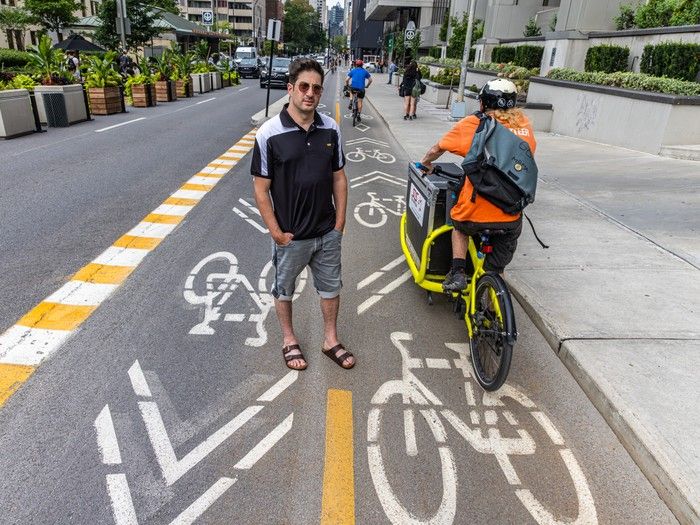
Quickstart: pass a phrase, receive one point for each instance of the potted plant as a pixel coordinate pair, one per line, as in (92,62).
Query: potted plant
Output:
(103,85)
(16,114)
(201,79)
(184,66)
(163,71)
(48,64)
(140,91)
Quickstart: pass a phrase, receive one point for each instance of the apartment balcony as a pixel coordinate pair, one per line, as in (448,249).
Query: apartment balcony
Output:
(379,9)
(243,12)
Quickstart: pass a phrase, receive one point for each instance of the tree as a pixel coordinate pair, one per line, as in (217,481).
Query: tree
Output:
(53,15)
(338,43)
(166,5)
(532,29)
(625,20)
(445,26)
(142,19)
(223,26)
(299,17)
(415,45)
(459,33)
(17,20)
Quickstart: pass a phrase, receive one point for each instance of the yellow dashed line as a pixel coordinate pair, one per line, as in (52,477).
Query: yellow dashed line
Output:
(141,243)
(103,273)
(163,219)
(56,316)
(197,187)
(212,175)
(181,202)
(338,503)
(337,112)
(11,378)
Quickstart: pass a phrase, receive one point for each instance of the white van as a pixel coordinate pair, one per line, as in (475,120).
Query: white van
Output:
(245,52)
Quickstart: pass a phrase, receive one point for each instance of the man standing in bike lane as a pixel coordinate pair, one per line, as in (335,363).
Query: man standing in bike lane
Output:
(473,213)
(301,192)
(356,80)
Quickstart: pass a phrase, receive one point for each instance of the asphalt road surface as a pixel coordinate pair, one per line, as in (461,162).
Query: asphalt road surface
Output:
(171,402)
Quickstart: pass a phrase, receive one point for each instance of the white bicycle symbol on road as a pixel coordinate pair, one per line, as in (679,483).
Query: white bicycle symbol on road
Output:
(412,391)
(211,290)
(373,213)
(362,154)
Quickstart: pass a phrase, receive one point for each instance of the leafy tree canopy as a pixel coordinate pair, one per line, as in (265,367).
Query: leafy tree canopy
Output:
(142,18)
(53,15)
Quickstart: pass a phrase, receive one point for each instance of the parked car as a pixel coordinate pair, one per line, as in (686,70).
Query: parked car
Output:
(249,67)
(280,73)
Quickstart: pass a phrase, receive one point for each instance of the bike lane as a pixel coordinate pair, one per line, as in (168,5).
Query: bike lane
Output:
(172,402)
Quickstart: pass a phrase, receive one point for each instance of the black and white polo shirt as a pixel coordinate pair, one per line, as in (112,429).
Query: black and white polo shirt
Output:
(300,164)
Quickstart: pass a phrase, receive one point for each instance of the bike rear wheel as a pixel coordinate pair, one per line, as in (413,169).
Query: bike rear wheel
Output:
(494,332)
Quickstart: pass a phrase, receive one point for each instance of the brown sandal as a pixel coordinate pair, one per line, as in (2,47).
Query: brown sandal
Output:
(339,359)
(286,351)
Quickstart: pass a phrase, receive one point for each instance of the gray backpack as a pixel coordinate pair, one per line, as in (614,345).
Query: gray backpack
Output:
(500,166)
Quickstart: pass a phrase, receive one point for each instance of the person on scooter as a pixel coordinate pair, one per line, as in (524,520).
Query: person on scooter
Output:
(497,99)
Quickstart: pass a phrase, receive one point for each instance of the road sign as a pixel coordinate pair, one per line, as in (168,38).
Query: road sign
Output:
(410,32)
(207,18)
(274,29)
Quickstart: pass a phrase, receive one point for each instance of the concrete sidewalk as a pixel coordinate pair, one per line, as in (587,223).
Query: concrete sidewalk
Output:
(617,294)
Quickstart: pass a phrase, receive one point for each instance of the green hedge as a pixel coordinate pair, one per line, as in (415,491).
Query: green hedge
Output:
(503,54)
(638,81)
(435,52)
(528,56)
(11,58)
(671,59)
(607,58)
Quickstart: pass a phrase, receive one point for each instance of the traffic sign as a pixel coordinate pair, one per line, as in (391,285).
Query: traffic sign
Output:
(410,32)
(274,29)
(207,18)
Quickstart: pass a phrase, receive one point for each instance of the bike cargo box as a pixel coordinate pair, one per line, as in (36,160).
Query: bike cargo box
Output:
(428,202)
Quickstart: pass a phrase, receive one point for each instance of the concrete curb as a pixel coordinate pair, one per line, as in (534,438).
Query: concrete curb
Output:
(616,413)
(259,118)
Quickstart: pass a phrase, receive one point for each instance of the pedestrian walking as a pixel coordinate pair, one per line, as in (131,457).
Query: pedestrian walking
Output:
(301,192)
(73,65)
(410,90)
(392,69)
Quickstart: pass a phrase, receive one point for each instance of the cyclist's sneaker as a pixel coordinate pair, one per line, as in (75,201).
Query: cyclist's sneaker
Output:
(359,117)
(455,281)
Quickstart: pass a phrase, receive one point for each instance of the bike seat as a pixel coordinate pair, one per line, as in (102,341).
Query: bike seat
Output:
(492,232)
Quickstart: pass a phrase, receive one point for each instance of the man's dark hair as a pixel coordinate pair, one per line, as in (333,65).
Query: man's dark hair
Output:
(303,64)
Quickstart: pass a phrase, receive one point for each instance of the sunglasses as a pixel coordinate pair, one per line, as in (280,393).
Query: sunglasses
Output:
(304,87)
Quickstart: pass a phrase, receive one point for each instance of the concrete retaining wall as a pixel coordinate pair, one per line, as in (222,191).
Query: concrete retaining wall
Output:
(622,117)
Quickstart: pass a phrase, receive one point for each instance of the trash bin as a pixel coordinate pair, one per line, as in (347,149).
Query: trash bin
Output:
(56,113)
(428,202)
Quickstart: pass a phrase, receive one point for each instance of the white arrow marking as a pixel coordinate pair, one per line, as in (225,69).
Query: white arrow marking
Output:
(279,387)
(172,468)
(107,438)
(269,441)
(119,495)
(387,289)
(354,142)
(203,502)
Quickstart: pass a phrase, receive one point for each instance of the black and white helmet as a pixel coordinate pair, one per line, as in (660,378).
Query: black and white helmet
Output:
(499,93)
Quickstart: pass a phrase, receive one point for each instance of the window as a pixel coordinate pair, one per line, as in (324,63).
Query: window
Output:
(551,59)
(10,43)
(83,8)
(18,40)
(545,3)
(32,37)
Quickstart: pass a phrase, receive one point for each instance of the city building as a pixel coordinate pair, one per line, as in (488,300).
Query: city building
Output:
(366,34)
(248,19)
(21,40)
(335,20)
(320,7)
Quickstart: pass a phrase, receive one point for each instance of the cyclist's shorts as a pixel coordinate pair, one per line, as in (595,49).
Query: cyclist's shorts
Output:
(504,244)
(360,92)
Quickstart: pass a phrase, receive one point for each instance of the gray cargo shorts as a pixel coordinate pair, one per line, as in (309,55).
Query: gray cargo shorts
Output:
(321,254)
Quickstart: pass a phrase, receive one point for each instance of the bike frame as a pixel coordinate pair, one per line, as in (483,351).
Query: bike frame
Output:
(433,283)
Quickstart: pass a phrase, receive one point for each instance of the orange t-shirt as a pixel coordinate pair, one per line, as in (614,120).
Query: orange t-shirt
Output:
(458,141)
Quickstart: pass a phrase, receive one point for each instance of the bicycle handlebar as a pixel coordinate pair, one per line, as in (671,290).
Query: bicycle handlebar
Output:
(437,170)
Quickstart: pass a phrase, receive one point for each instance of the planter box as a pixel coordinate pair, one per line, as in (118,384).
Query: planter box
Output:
(479,77)
(143,95)
(435,93)
(16,115)
(165,91)
(75,102)
(540,115)
(105,101)
(617,116)
(201,82)
(226,81)
(216,80)
(183,90)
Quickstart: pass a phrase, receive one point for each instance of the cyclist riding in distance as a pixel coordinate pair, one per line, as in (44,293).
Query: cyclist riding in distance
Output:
(356,80)
(473,213)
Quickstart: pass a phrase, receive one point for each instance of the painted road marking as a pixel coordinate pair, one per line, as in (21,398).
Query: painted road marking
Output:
(42,330)
(120,496)
(338,501)
(279,387)
(269,441)
(376,176)
(379,295)
(203,502)
(107,438)
(204,101)
(120,125)
(138,380)
(244,216)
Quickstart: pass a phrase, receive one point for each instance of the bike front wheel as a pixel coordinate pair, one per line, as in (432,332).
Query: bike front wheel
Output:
(494,332)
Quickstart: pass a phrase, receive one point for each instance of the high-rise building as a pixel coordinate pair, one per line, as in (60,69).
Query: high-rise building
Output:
(247,17)
(335,20)
(320,7)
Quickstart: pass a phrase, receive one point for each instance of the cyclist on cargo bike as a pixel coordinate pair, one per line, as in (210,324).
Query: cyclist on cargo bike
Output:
(468,264)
